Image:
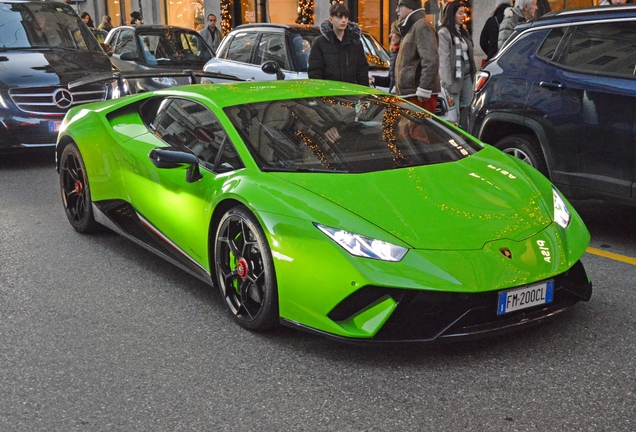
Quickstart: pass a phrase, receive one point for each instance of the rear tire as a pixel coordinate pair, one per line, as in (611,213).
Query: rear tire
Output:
(76,193)
(526,148)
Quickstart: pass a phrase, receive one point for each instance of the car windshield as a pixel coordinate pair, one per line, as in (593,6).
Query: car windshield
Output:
(353,134)
(43,25)
(173,47)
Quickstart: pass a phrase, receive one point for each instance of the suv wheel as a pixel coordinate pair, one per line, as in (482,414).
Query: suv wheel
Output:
(526,148)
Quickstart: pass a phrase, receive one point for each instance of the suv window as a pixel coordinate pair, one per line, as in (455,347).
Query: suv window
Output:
(240,49)
(551,43)
(605,49)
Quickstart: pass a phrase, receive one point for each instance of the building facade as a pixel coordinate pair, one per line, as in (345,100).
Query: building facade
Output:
(374,16)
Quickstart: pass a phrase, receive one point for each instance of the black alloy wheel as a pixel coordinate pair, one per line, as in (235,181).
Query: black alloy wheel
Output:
(245,270)
(76,194)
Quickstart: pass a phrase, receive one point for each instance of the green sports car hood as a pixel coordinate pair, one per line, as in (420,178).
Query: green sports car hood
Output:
(450,206)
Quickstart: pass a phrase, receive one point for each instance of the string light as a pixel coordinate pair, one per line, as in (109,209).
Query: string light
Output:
(226,16)
(305,12)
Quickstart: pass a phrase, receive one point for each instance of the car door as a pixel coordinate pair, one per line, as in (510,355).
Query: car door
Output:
(175,209)
(586,96)
(246,53)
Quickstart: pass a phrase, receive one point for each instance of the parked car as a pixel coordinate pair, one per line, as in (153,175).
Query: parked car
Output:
(327,207)
(248,46)
(43,47)
(561,95)
(157,48)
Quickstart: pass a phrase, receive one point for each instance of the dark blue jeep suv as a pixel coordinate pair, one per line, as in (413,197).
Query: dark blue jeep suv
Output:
(561,95)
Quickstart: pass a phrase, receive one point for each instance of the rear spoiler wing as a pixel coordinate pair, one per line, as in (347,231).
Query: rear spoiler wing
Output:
(121,76)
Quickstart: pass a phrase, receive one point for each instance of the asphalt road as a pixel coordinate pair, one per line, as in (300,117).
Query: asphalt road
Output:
(97,334)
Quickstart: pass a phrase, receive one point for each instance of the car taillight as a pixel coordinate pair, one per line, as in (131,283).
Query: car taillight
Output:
(481,78)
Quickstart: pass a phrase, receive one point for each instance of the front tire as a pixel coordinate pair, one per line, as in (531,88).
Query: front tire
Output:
(526,148)
(76,193)
(245,270)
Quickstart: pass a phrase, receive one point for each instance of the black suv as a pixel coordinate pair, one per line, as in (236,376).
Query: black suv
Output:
(561,95)
(43,46)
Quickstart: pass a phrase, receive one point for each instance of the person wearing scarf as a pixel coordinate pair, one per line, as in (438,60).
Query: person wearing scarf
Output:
(456,59)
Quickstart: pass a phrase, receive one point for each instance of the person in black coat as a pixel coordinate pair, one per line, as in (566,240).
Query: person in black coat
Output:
(338,53)
(490,32)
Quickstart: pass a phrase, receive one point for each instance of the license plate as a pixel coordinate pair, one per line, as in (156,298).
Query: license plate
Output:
(528,296)
(54,126)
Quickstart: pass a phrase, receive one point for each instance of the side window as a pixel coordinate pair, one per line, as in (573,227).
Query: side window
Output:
(272,47)
(604,49)
(550,44)
(240,49)
(184,124)
(125,42)
(301,47)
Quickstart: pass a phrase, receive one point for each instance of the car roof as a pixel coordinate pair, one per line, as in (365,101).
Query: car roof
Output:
(568,16)
(153,27)
(282,27)
(232,94)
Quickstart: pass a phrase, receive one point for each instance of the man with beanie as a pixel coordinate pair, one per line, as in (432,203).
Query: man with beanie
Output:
(417,64)
(338,54)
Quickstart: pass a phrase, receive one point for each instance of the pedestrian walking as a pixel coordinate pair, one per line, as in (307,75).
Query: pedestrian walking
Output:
(106,23)
(417,63)
(456,59)
(211,33)
(522,11)
(337,54)
(490,33)
(394,40)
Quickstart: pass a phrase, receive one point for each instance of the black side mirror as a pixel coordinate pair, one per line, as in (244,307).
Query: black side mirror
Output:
(270,67)
(164,158)
(129,56)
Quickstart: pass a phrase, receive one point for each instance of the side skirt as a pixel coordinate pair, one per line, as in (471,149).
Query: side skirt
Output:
(122,218)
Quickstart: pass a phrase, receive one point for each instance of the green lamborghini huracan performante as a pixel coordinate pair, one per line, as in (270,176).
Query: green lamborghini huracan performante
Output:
(326,206)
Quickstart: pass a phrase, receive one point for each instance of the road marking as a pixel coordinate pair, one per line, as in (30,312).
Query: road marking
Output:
(611,255)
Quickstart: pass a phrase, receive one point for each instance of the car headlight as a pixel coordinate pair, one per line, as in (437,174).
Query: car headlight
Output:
(362,246)
(561,212)
(165,81)
(3,104)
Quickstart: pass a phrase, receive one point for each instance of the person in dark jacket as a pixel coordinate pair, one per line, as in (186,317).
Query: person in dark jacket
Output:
(490,32)
(338,53)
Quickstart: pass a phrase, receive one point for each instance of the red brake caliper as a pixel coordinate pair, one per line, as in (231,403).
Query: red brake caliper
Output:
(242,268)
(78,187)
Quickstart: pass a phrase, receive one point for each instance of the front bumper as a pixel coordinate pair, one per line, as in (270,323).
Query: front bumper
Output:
(431,316)
(27,131)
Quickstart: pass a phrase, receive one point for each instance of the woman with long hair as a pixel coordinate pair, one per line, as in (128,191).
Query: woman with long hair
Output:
(86,17)
(456,59)
(106,24)
(394,39)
